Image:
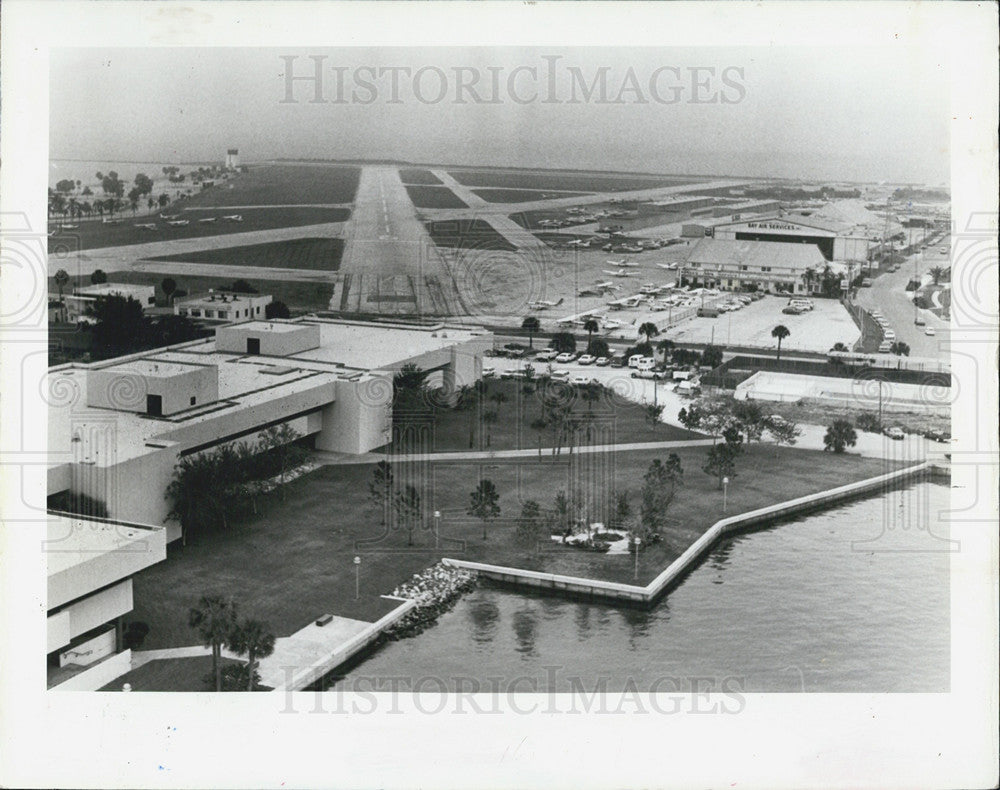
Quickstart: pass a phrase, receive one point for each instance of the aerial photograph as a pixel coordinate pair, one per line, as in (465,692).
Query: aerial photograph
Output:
(508,370)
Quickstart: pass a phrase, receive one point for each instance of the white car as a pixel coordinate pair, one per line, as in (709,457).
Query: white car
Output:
(929,331)
(566,356)
(889,334)
(602,362)
(489,373)
(587,359)
(559,375)
(581,379)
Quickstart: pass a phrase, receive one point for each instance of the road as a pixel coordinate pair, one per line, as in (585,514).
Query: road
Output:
(888,295)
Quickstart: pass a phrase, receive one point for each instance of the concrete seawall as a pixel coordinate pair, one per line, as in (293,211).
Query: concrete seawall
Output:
(634,594)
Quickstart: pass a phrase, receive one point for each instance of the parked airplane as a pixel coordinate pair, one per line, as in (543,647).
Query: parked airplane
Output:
(617,273)
(543,304)
(179,223)
(147,226)
(68,227)
(208,219)
(623,262)
(578,243)
(670,266)
(600,289)
(169,216)
(610,323)
(233,218)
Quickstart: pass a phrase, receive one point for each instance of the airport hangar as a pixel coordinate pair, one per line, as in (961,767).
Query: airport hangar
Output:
(837,240)
(117,428)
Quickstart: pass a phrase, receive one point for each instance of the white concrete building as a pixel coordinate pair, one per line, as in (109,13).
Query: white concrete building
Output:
(223,306)
(90,563)
(85,296)
(119,427)
(768,266)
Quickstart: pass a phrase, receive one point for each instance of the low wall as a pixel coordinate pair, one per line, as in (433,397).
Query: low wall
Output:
(627,593)
(309,675)
(99,675)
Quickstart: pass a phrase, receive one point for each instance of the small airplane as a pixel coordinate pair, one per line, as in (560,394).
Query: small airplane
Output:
(578,243)
(617,273)
(623,262)
(632,248)
(233,218)
(208,219)
(600,289)
(147,226)
(111,222)
(543,304)
(670,266)
(610,323)
(179,223)
(68,227)
(169,216)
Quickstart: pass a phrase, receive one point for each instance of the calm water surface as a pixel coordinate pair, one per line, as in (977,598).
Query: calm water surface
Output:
(853,599)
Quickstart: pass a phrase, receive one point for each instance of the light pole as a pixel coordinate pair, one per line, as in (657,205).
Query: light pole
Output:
(725,493)
(638,542)
(437,527)
(357,578)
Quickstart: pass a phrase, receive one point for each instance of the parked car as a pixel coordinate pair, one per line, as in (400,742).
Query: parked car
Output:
(790,310)
(884,347)
(566,356)
(888,334)
(647,374)
(634,360)
(489,373)
(895,433)
(929,331)
(580,380)
(559,375)
(918,321)
(546,355)
(587,359)
(602,362)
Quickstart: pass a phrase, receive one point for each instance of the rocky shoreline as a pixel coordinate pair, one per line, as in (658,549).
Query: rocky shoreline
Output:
(436,590)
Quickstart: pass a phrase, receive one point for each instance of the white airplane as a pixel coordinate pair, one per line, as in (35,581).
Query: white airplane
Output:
(543,304)
(179,223)
(670,266)
(147,226)
(622,262)
(617,273)
(208,219)
(578,243)
(233,218)
(169,216)
(68,227)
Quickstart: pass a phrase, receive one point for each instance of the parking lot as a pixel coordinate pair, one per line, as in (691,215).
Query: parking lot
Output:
(816,330)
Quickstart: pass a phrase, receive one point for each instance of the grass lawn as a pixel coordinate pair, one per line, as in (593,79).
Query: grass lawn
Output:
(434,197)
(415,175)
(302,296)
(169,674)
(294,562)
(92,235)
(557,180)
(468,234)
(522,195)
(321,254)
(615,420)
(266,185)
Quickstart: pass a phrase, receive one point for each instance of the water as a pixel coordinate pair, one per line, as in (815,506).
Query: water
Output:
(829,602)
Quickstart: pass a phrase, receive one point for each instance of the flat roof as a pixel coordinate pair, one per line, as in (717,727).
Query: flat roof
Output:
(153,367)
(216,299)
(756,253)
(272,327)
(73,540)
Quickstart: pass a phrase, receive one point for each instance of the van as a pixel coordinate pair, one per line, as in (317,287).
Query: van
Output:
(682,375)
(646,363)
(708,312)
(866,282)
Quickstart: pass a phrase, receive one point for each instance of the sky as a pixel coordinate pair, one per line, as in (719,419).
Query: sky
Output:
(844,114)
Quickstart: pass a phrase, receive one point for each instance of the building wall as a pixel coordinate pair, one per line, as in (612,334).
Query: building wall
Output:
(361,418)
(88,613)
(303,337)
(108,388)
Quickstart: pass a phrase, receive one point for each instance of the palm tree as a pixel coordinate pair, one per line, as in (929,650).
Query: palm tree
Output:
(168,286)
(539,424)
(780,332)
(489,418)
(214,618)
(253,639)
(666,346)
(937,273)
(648,329)
(590,326)
(532,325)
(61,278)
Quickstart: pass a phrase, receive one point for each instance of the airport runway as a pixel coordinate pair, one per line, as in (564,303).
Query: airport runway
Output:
(390,265)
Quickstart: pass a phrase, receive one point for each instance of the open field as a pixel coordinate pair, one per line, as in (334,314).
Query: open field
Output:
(613,418)
(467,234)
(94,234)
(522,195)
(268,185)
(294,562)
(558,180)
(299,296)
(316,254)
(434,197)
(415,175)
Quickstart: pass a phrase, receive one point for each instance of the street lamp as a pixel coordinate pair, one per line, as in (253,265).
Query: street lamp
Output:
(725,493)
(638,542)
(357,578)
(437,527)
